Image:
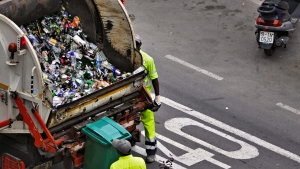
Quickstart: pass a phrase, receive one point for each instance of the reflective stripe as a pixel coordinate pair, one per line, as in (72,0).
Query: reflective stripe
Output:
(151,140)
(146,83)
(150,143)
(153,73)
(150,147)
(148,75)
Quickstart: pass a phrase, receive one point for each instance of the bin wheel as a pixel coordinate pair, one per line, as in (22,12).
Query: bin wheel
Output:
(68,162)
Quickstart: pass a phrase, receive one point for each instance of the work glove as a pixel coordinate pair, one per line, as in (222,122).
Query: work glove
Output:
(156,103)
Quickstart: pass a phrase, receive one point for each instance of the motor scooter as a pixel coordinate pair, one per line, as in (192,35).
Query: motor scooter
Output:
(276,20)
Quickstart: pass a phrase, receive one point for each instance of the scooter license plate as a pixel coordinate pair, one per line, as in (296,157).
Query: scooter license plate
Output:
(266,37)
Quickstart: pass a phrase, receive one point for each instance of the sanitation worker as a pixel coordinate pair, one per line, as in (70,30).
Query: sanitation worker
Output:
(147,116)
(126,160)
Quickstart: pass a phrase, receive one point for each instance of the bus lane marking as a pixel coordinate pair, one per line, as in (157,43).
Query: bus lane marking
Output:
(142,151)
(245,152)
(194,67)
(230,129)
(192,156)
(286,107)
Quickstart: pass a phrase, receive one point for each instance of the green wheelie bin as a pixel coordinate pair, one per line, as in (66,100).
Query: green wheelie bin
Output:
(99,152)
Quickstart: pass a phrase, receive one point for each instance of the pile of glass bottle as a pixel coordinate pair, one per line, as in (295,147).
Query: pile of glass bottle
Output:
(72,67)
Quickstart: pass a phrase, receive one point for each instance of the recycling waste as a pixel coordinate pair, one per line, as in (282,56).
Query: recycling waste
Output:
(72,67)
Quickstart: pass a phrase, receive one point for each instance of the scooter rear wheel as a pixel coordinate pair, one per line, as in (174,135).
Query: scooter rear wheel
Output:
(269,52)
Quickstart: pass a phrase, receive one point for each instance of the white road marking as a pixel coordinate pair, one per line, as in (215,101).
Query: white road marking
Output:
(286,107)
(246,150)
(192,157)
(230,129)
(142,151)
(194,67)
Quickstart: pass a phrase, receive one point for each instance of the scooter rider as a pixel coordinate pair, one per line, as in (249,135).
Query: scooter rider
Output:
(147,116)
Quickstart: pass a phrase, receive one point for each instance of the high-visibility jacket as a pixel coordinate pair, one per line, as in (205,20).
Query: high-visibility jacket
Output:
(148,63)
(129,162)
(147,116)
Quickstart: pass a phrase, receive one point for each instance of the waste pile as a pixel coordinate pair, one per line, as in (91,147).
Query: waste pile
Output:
(72,67)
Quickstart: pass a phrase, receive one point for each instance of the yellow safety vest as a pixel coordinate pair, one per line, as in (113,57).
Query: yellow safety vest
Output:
(148,63)
(129,162)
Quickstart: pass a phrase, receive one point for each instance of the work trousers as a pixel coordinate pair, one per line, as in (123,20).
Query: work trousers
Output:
(147,117)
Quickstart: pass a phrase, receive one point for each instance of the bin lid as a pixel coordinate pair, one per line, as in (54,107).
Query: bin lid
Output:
(105,131)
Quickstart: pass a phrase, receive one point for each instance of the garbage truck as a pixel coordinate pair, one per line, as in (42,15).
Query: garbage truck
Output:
(53,134)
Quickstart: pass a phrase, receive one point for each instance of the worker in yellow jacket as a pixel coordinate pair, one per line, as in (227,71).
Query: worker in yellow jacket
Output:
(126,160)
(147,116)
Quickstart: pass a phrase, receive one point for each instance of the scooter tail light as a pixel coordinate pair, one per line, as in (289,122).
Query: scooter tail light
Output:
(275,23)
(260,21)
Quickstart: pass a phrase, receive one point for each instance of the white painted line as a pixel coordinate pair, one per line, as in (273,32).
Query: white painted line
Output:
(198,156)
(246,150)
(288,108)
(190,158)
(142,151)
(230,129)
(194,67)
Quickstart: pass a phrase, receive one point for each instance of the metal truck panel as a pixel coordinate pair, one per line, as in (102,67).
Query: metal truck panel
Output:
(18,77)
(22,12)
(67,112)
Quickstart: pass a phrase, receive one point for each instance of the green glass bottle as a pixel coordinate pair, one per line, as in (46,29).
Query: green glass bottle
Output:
(90,83)
(87,61)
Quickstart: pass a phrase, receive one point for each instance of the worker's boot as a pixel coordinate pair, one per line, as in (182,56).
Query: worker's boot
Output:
(150,158)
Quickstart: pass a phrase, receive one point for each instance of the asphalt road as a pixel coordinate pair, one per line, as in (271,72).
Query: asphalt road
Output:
(244,103)
(225,104)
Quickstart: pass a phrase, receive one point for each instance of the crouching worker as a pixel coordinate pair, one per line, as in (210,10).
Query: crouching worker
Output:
(126,160)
